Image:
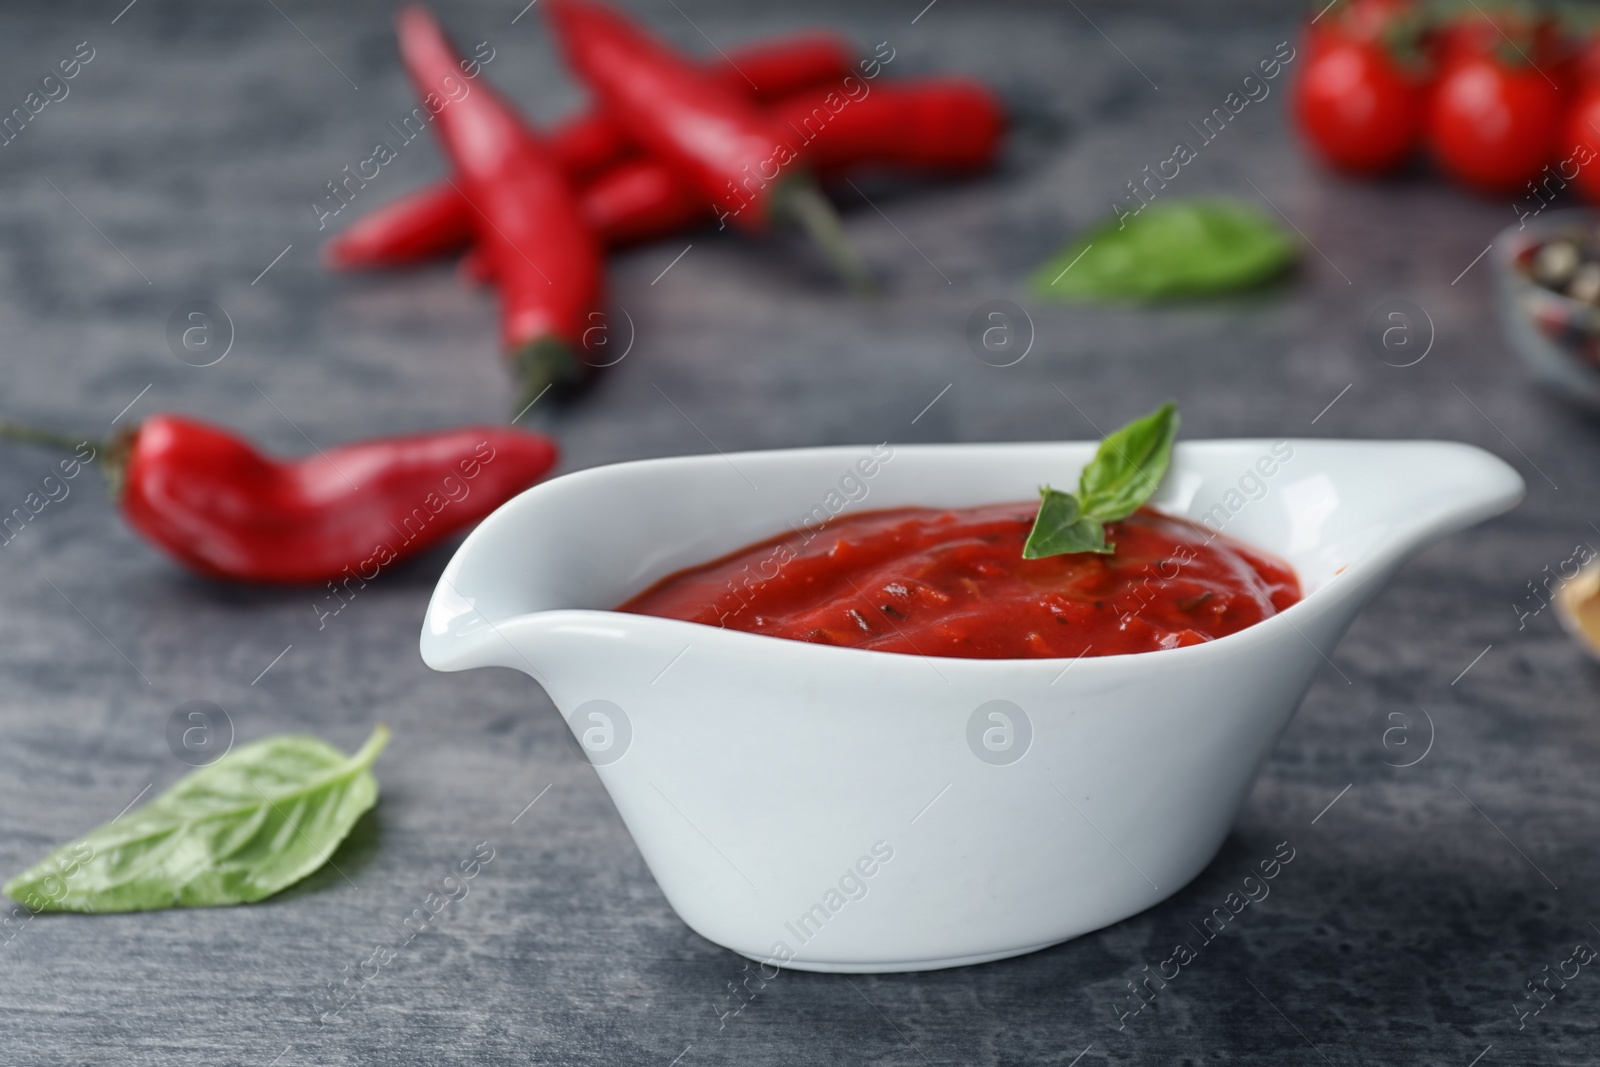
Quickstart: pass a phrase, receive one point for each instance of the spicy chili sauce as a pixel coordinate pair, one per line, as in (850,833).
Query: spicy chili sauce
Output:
(954,583)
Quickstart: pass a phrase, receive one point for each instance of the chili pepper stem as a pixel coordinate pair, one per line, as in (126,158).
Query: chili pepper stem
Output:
(34,435)
(542,364)
(118,450)
(114,449)
(799,199)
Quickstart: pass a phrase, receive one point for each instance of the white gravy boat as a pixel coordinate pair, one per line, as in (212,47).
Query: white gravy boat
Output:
(836,809)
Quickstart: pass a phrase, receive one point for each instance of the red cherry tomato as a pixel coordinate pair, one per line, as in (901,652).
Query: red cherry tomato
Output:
(1377,22)
(1469,37)
(1371,20)
(1359,111)
(1493,126)
(1579,147)
(1510,35)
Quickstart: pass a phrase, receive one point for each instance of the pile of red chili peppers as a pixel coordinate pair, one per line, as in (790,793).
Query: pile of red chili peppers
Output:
(671,143)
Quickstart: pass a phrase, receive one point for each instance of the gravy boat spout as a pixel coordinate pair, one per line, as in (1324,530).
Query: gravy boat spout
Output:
(840,809)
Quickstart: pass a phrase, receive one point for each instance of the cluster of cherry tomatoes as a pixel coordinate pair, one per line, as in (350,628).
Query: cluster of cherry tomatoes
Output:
(1495,93)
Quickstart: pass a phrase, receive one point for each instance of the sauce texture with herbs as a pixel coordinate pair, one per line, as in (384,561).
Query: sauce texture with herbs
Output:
(953,583)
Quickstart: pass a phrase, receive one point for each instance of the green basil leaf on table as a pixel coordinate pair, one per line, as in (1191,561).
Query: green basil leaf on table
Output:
(1125,471)
(256,821)
(1176,250)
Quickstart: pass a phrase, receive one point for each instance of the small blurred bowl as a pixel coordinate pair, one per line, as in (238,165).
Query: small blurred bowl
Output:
(1577,604)
(1557,337)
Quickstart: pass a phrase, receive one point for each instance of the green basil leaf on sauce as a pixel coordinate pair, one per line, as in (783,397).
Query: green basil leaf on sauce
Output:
(1125,471)
(1128,466)
(1173,250)
(256,821)
(1061,528)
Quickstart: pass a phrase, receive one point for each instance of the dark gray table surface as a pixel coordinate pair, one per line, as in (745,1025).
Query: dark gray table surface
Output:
(184,161)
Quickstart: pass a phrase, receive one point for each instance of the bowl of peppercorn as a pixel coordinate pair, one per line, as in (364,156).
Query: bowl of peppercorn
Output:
(1547,274)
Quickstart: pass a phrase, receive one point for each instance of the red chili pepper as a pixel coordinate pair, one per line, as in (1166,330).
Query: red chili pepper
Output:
(636,200)
(943,125)
(546,261)
(430,223)
(639,200)
(769,71)
(718,141)
(946,125)
(436,222)
(949,126)
(222,508)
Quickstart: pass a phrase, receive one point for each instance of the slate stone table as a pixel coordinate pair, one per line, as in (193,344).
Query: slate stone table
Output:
(182,166)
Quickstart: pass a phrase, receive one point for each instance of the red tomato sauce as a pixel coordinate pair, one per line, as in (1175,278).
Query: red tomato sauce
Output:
(954,583)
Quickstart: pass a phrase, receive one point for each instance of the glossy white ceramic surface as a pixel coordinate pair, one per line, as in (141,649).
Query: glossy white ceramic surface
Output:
(764,779)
